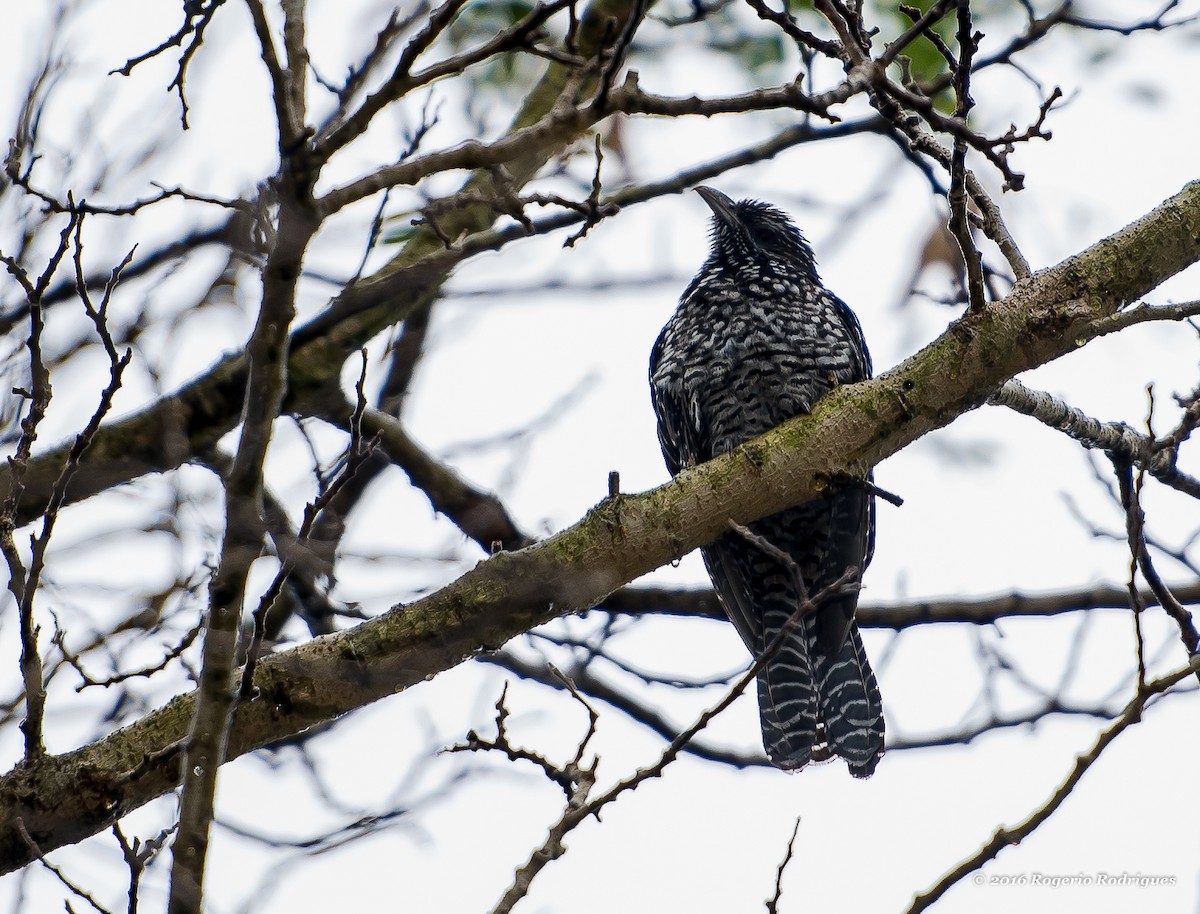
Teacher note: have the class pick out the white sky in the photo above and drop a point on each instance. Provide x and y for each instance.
(984, 512)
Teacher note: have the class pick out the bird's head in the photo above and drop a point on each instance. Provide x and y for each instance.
(753, 233)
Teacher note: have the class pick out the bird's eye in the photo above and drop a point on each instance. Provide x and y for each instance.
(766, 238)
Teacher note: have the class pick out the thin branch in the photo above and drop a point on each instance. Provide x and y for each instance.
(616, 56)
(83, 208)
(1142, 313)
(591, 209)
(584, 678)
(358, 74)
(58, 874)
(173, 653)
(565, 777)
(627, 98)
(137, 855)
(804, 39)
(479, 514)
(631, 99)
(922, 26)
(406, 353)
(21, 583)
(960, 223)
(262, 399)
(1155, 23)
(24, 585)
(403, 81)
(1135, 527)
(172, 250)
(1004, 837)
(197, 16)
(773, 902)
(1116, 438)
(703, 604)
(357, 453)
(281, 79)
(582, 806)
(892, 100)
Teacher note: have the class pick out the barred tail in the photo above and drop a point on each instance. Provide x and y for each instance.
(851, 707)
(787, 695)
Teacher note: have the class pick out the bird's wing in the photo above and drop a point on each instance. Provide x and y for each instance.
(680, 429)
(850, 545)
(861, 355)
(727, 567)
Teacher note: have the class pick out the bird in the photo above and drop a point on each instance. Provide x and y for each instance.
(755, 340)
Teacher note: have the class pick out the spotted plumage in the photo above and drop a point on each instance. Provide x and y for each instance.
(756, 340)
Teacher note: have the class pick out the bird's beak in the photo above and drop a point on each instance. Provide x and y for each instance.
(721, 205)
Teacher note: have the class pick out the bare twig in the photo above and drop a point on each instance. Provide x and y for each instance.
(1142, 313)
(172, 653)
(1116, 438)
(1005, 837)
(403, 80)
(20, 582)
(566, 777)
(586, 680)
(74, 889)
(578, 780)
(24, 584)
(266, 382)
(137, 855)
(960, 224)
(804, 39)
(1155, 23)
(70, 205)
(703, 603)
(773, 902)
(592, 210)
(895, 102)
(477, 513)
(922, 26)
(197, 15)
(357, 453)
(1130, 491)
(627, 98)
